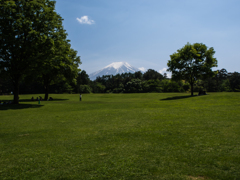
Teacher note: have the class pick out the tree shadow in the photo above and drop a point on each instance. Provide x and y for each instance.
(59, 100)
(29, 100)
(18, 106)
(178, 97)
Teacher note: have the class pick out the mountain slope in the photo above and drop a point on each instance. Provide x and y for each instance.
(113, 69)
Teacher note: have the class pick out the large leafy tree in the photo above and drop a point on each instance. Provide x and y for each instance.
(62, 62)
(26, 34)
(192, 62)
(59, 68)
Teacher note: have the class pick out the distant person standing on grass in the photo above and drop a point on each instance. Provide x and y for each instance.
(80, 97)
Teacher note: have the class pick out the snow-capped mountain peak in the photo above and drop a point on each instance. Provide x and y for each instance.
(113, 69)
(117, 65)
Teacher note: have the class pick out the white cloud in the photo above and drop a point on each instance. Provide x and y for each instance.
(85, 20)
(143, 69)
(162, 71)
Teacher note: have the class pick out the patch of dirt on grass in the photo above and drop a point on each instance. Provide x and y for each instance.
(195, 178)
(23, 135)
(102, 154)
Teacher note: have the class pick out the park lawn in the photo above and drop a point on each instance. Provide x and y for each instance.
(121, 136)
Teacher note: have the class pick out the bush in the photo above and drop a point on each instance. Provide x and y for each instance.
(85, 89)
(118, 90)
(98, 87)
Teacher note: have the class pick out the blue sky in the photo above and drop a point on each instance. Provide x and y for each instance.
(145, 32)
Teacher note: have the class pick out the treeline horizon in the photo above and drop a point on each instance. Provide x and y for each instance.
(138, 82)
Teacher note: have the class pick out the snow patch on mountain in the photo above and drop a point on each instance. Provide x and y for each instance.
(117, 65)
(113, 69)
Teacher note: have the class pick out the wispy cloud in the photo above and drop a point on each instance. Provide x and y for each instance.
(85, 20)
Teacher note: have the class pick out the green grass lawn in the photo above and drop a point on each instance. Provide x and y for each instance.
(121, 136)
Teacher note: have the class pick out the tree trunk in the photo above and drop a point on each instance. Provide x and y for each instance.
(191, 89)
(46, 87)
(16, 91)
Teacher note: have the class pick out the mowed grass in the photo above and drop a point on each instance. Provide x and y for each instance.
(121, 136)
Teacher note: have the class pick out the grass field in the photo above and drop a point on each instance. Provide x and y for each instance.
(121, 136)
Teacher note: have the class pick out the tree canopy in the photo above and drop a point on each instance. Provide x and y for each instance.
(152, 74)
(192, 62)
(32, 38)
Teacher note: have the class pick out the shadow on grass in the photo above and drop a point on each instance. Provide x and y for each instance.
(18, 106)
(29, 100)
(178, 97)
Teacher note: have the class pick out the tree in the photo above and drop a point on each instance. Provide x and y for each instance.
(138, 75)
(192, 62)
(234, 81)
(152, 74)
(83, 78)
(221, 75)
(134, 86)
(154, 85)
(62, 61)
(85, 89)
(216, 83)
(63, 66)
(97, 87)
(25, 30)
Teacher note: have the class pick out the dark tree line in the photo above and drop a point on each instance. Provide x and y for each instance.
(222, 81)
(152, 81)
(138, 82)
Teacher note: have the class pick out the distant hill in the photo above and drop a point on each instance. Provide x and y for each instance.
(113, 69)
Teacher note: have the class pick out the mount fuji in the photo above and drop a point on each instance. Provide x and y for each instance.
(113, 69)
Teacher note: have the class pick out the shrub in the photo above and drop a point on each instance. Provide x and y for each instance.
(85, 89)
